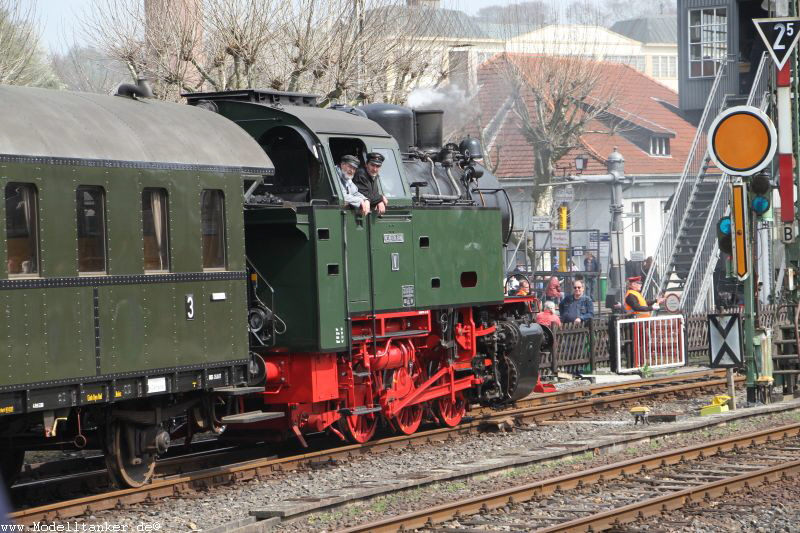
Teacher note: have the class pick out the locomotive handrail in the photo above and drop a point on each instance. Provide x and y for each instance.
(510, 208)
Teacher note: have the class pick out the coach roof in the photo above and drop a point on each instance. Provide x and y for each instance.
(85, 126)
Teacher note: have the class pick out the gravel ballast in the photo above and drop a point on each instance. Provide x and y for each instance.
(222, 505)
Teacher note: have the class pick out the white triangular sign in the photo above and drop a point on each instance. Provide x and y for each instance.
(780, 36)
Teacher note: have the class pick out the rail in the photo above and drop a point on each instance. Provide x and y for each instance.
(654, 496)
(241, 468)
(659, 273)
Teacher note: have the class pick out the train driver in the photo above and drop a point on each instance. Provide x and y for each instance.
(346, 170)
(366, 179)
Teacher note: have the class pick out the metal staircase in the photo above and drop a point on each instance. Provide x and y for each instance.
(687, 252)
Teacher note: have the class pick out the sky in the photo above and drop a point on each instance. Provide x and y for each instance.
(59, 18)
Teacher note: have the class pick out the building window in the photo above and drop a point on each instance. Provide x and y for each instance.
(659, 146)
(91, 213)
(22, 233)
(665, 67)
(637, 229)
(212, 215)
(708, 40)
(155, 230)
(636, 62)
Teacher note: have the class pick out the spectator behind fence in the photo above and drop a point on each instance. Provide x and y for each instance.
(553, 291)
(548, 317)
(591, 267)
(576, 307)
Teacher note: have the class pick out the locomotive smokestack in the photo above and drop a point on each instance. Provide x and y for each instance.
(141, 89)
(429, 126)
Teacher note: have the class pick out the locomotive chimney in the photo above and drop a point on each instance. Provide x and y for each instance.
(429, 128)
(141, 89)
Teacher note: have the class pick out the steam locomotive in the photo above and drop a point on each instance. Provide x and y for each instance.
(174, 269)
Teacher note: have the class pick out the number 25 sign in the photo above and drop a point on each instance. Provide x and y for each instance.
(780, 36)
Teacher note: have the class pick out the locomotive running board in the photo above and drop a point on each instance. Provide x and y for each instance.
(250, 417)
(363, 410)
(237, 391)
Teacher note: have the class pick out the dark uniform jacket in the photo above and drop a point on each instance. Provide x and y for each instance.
(368, 186)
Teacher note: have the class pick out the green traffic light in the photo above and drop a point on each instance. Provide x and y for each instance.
(760, 204)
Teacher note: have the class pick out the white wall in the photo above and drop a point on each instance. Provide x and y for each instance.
(591, 210)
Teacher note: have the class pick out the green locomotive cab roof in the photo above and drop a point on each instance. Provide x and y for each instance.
(304, 142)
(79, 128)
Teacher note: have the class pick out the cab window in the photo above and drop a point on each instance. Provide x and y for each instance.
(391, 181)
(212, 215)
(155, 230)
(22, 233)
(91, 221)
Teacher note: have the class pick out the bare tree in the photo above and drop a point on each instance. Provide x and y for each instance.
(346, 50)
(83, 68)
(555, 100)
(22, 61)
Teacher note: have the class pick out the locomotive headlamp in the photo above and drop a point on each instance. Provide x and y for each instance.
(256, 319)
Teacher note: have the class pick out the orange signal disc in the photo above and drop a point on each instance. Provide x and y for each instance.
(741, 141)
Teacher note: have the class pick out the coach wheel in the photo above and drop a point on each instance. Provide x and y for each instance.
(128, 463)
(449, 412)
(11, 465)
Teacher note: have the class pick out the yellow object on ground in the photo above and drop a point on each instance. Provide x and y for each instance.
(719, 404)
(640, 414)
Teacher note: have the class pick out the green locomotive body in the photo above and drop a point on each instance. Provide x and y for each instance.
(319, 255)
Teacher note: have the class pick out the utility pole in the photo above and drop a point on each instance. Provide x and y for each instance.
(616, 178)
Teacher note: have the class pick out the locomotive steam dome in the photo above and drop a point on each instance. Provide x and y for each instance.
(398, 121)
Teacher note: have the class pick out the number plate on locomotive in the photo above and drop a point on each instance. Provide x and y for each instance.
(408, 295)
(393, 237)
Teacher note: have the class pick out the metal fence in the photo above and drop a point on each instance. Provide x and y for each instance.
(655, 342)
(582, 348)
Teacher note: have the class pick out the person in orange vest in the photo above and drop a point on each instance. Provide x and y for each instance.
(636, 303)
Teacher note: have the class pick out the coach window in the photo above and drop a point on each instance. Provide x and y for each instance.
(91, 203)
(22, 234)
(155, 230)
(212, 214)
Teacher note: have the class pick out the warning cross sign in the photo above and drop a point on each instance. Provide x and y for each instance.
(780, 36)
(725, 340)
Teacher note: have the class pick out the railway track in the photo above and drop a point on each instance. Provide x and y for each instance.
(177, 476)
(623, 492)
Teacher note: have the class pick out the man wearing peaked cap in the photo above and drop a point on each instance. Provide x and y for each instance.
(367, 180)
(346, 170)
(635, 301)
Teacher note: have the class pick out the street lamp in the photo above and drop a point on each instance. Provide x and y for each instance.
(581, 160)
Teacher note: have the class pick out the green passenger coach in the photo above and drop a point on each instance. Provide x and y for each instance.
(123, 256)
